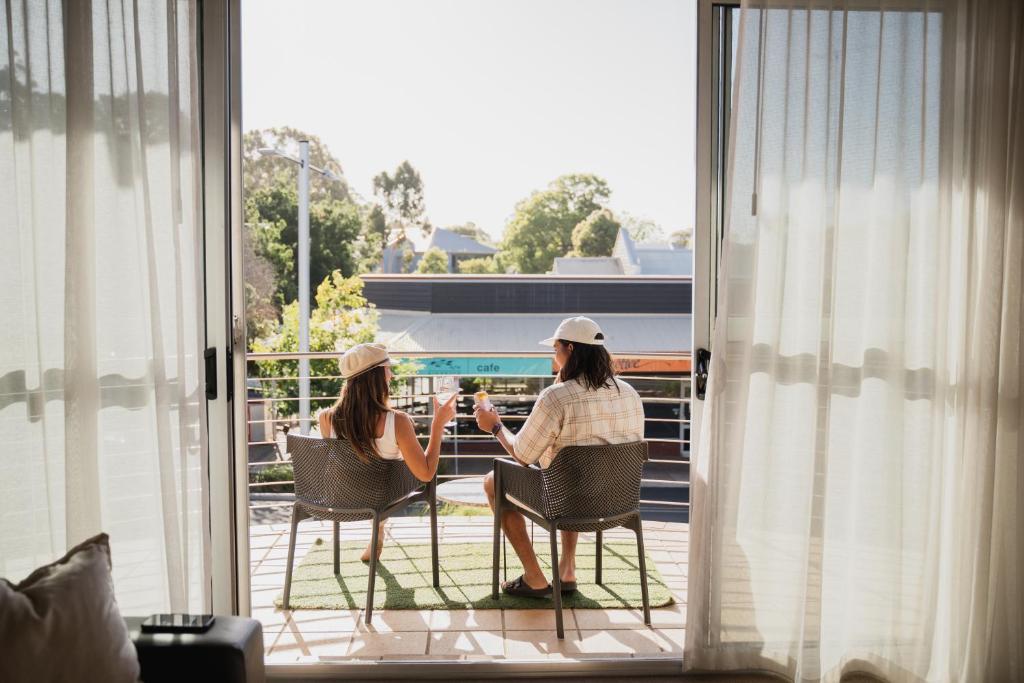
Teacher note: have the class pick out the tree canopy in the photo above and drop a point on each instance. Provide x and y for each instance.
(682, 239)
(472, 231)
(334, 226)
(595, 235)
(261, 172)
(401, 197)
(341, 319)
(262, 305)
(641, 229)
(484, 265)
(541, 228)
(435, 261)
(369, 248)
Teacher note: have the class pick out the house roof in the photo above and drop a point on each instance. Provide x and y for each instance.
(449, 242)
(651, 258)
(517, 332)
(660, 261)
(530, 294)
(587, 265)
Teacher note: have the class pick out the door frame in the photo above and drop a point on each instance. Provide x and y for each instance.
(219, 55)
(713, 113)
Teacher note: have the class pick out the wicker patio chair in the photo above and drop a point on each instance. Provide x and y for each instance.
(333, 484)
(586, 488)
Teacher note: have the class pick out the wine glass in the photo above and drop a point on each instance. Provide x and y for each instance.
(446, 386)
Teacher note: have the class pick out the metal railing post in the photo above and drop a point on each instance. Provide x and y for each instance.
(303, 244)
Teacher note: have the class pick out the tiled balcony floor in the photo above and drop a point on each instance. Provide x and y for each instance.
(518, 635)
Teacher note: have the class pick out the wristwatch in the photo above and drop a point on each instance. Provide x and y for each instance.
(495, 430)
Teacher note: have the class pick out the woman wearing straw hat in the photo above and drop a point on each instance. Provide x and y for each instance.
(362, 416)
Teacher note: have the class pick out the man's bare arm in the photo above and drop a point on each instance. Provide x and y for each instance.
(505, 439)
(487, 420)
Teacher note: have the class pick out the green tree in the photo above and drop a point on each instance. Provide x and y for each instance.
(342, 318)
(261, 305)
(401, 196)
(434, 261)
(641, 229)
(480, 266)
(595, 235)
(261, 172)
(369, 249)
(334, 227)
(271, 224)
(682, 239)
(408, 256)
(542, 226)
(472, 231)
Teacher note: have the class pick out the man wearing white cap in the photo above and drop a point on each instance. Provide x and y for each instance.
(586, 406)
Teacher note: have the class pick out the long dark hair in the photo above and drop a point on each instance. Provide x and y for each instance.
(354, 415)
(589, 364)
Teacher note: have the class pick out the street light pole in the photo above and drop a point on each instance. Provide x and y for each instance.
(304, 285)
(303, 243)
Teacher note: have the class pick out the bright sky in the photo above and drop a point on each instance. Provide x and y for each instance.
(488, 100)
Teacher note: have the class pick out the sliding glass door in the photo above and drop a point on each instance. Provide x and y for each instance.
(717, 35)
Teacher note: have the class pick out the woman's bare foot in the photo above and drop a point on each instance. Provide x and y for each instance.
(380, 546)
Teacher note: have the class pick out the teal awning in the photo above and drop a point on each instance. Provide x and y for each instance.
(483, 366)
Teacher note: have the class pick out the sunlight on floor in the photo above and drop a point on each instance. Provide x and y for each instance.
(521, 635)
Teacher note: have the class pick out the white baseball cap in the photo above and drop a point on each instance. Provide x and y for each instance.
(579, 329)
(362, 357)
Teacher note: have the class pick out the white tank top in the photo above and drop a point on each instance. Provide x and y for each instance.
(387, 444)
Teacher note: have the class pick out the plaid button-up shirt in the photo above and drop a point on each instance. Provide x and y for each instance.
(567, 414)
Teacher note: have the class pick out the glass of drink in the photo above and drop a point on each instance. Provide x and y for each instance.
(445, 387)
(482, 400)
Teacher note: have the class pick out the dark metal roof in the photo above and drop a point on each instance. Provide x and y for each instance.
(522, 332)
(530, 294)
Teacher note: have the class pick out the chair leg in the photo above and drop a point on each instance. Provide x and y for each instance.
(296, 516)
(337, 548)
(375, 534)
(433, 533)
(556, 583)
(600, 552)
(498, 493)
(642, 561)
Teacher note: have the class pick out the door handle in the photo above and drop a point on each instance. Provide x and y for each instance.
(210, 356)
(700, 373)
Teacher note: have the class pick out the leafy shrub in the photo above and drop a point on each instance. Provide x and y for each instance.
(272, 473)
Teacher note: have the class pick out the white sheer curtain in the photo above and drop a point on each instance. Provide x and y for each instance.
(859, 486)
(101, 414)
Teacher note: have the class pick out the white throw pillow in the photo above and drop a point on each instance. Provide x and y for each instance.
(62, 622)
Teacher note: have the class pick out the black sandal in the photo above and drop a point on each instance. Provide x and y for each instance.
(568, 587)
(520, 589)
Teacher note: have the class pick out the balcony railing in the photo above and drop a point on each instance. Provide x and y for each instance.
(273, 410)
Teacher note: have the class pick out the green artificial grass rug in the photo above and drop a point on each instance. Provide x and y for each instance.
(404, 578)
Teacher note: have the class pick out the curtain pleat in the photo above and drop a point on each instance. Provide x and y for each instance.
(101, 408)
(858, 490)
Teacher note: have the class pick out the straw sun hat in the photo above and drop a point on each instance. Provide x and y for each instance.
(362, 357)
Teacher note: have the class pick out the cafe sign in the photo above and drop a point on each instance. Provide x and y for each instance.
(483, 366)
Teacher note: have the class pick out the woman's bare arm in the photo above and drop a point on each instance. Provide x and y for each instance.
(325, 422)
(423, 464)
